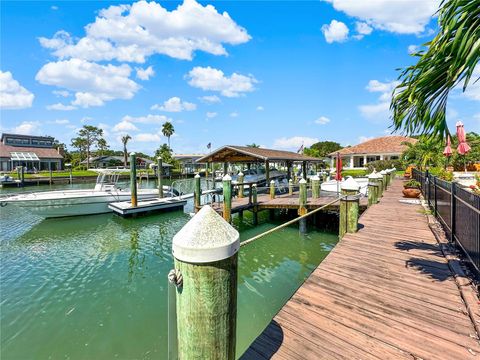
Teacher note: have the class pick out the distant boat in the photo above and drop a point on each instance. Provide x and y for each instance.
(62, 203)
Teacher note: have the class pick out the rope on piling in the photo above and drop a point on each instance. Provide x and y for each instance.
(252, 239)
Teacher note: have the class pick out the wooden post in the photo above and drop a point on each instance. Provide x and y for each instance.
(272, 189)
(197, 193)
(267, 171)
(225, 168)
(349, 208)
(304, 169)
(227, 198)
(384, 176)
(254, 201)
(435, 196)
(241, 178)
(302, 205)
(315, 187)
(290, 187)
(133, 179)
(205, 254)
(372, 189)
(289, 170)
(160, 176)
(71, 174)
(50, 170)
(453, 206)
(22, 175)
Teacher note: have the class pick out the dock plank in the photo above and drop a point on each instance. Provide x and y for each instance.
(385, 292)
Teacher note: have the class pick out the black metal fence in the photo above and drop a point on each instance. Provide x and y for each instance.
(457, 209)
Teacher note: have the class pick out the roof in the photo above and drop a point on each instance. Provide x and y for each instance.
(382, 145)
(188, 156)
(27, 136)
(232, 153)
(120, 159)
(42, 153)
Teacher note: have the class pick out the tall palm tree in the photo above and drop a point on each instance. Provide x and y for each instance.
(125, 153)
(168, 130)
(420, 100)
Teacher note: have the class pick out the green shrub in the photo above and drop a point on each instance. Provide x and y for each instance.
(354, 173)
(413, 184)
(380, 165)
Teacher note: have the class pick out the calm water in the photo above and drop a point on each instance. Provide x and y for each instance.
(95, 287)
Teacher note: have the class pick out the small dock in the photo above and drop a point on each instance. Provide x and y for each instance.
(385, 292)
(125, 208)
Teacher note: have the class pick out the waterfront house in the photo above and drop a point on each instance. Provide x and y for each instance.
(382, 148)
(188, 164)
(108, 161)
(32, 152)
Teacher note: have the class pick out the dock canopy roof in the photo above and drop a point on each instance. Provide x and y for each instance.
(231, 153)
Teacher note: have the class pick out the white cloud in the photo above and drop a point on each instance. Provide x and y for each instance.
(365, 138)
(61, 93)
(12, 94)
(27, 128)
(85, 119)
(260, 108)
(175, 104)
(413, 49)
(336, 31)
(294, 142)
(210, 99)
(473, 89)
(233, 114)
(54, 7)
(322, 120)
(149, 119)
(133, 32)
(145, 74)
(123, 126)
(363, 28)
(146, 137)
(60, 107)
(93, 84)
(211, 115)
(60, 122)
(208, 78)
(398, 16)
(381, 109)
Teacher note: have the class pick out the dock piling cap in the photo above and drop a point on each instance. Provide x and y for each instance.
(272, 182)
(377, 176)
(315, 178)
(383, 172)
(206, 238)
(303, 181)
(227, 178)
(197, 176)
(240, 174)
(350, 184)
(373, 175)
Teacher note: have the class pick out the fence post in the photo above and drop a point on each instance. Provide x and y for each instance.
(254, 200)
(349, 207)
(241, 177)
(272, 189)
(133, 179)
(453, 208)
(290, 187)
(227, 198)
(315, 187)
(160, 176)
(427, 187)
(435, 195)
(302, 202)
(205, 254)
(197, 193)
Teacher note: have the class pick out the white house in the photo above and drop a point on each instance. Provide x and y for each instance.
(382, 148)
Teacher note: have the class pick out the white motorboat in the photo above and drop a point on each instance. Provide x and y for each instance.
(336, 186)
(62, 203)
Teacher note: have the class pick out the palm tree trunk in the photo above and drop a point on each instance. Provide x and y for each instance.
(125, 155)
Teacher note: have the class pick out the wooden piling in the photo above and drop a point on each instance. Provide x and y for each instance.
(304, 169)
(227, 198)
(302, 202)
(267, 171)
(372, 189)
(315, 187)
(272, 189)
(255, 206)
(205, 254)
(160, 176)
(384, 176)
(290, 187)
(241, 187)
(133, 179)
(349, 207)
(197, 193)
(50, 171)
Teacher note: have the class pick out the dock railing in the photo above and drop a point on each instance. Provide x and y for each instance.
(457, 209)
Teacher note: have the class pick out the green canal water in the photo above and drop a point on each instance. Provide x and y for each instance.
(95, 287)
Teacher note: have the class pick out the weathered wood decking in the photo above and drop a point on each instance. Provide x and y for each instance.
(283, 201)
(385, 292)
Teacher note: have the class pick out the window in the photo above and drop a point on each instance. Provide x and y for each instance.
(22, 156)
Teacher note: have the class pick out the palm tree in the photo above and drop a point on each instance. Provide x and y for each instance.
(125, 153)
(253, 145)
(420, 100)
(168, 130)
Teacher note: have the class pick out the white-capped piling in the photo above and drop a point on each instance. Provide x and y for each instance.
(133, 179)
(302, 205)
(241, 187)
(315, 187)
(197, 193)
(290, 187)
(272, 189)
(227, 198)
(160, 176)
(205, 255)
(349, 207)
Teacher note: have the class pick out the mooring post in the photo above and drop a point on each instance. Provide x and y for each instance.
(241, 187)
(197, 193)
(349, 207)
(254, 201)
(302, 205)
(272, 189)
(315, 187)
(389, 176)
(71, 174)
(290, 187)
(160, 176)
(205, 255)
(384, 176)
(379, 178)
(372, 189)
(227, 198)
(133, 179)
(50, 171)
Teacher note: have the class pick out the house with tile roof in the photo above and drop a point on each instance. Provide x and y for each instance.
(382, 148)
(31, 152)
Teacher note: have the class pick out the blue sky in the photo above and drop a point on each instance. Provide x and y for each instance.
(275, 73)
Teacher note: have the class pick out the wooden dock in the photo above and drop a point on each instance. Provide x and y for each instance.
(283, 201)
(125, 208)
(385, 292)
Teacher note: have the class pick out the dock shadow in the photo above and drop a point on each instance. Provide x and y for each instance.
(266, 344)
(432, 249)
